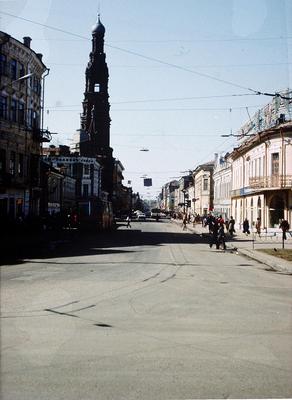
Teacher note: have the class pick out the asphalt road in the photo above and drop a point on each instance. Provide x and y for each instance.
(143, 313)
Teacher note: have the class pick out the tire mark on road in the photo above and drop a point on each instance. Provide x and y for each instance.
(61, 313)
(151, 277)
(168, 278)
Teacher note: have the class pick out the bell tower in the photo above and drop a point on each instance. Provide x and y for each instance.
(95, 119)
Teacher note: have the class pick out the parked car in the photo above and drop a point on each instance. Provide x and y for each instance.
(141, 217)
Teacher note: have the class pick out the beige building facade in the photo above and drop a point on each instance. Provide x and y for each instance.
(262, 178)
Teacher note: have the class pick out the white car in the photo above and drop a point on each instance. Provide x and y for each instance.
(141, 216)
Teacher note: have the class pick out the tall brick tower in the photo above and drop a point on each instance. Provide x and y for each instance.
(95, 120)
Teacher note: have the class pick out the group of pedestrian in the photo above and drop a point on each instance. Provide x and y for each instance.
(217, 231)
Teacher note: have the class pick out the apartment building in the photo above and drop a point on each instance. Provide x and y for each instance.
(262, 177)
(22, 72)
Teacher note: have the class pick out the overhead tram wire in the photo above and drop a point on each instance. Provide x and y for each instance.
(167, 109)
(162, 100)
(148, 58)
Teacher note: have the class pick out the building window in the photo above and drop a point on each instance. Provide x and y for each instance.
(2, 160)
(36, 85)
(29, 117)
(3, 107)
(85, 190)
(86, 169)
(21, 70)
(21, 113)
(260, 167)
(20, 165)
(13, 110)
(275, 163)
(12, 163)
(3, 65)
(35, 120)
(205, 183)
(13, 69)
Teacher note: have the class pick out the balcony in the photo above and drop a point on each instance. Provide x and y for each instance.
(274, 181)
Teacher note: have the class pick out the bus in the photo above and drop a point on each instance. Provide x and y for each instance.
(95, 214)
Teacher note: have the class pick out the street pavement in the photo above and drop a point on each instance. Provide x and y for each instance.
(250, 245)
(148, 312)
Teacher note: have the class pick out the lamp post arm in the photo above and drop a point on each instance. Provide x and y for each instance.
(43, 96)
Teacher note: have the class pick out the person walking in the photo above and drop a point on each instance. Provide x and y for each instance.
(221, 237)
(258, 227)
(184, 223)
(245, 227)
(231, 224)
(285, 228)
(214, 234)
(128, 219)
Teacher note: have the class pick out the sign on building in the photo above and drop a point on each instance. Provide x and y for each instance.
(147, 181)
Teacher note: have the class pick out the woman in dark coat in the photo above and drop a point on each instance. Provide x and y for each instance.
(245, 226)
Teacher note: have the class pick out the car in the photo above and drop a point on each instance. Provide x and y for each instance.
(141, 217)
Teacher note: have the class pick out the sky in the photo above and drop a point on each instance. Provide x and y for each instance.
(181, 73)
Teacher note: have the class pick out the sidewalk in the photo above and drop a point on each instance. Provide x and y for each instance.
(245, 245)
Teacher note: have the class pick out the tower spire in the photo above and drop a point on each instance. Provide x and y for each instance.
(96, 118)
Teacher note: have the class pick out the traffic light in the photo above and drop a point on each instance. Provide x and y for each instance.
(188, 203)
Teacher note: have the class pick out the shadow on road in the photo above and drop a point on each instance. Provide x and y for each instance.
(18, 247)
(45, 245)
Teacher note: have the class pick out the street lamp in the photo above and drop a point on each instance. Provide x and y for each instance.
(43, 99)
(23, 77)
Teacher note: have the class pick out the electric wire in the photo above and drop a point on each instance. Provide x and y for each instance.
(179, 67)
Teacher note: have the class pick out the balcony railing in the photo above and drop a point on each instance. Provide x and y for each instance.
(274, 181)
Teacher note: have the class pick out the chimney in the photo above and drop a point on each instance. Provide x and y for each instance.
(26, 41)
(40, 56)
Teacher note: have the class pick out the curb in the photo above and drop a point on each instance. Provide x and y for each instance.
(274, 263)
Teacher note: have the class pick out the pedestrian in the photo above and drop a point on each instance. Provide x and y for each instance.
(231, 224)
(220, 220)
(245, 227)
(210, 222)
(221, 237)
(184, 222)
(285, 228)
(128, 219)
(258, 226)
(214, 233)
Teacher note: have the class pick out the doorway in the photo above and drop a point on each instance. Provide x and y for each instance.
(277, 206)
